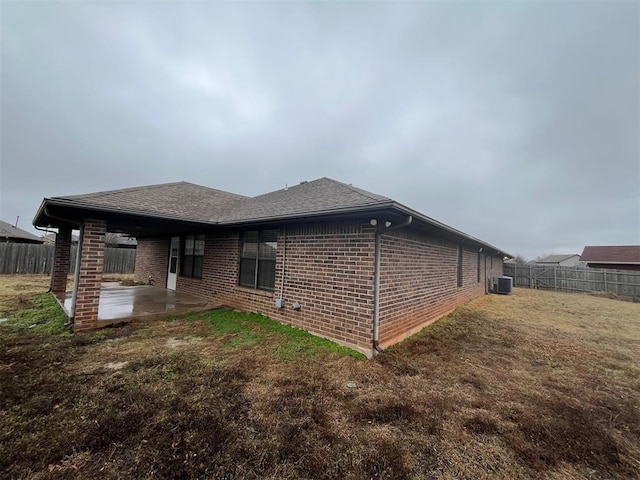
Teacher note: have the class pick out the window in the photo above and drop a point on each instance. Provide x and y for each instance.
(459, 265)
(258, 259)
(479, 258)
(192, 256)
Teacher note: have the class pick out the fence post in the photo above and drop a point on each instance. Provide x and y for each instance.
(530, 281)
(555, 277)
(604, 272)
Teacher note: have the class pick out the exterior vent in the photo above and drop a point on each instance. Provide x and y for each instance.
(504, 285)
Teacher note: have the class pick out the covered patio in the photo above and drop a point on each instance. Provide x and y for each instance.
(141, 212)
(119, 303)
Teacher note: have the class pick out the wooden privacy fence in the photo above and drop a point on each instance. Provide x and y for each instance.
(575, 279)
(35, 258)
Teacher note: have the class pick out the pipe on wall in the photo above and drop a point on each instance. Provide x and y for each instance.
(76, 273)
(376, 276)
(284, 260)
(76, 278)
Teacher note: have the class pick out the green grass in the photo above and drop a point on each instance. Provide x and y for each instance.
(246, 329)
(240, 329)
(43, 308)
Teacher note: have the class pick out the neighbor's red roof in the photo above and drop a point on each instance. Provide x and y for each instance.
(611, 254)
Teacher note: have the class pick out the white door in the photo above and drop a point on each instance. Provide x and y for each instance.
(172, 274)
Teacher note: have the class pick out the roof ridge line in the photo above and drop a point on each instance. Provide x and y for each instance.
(359, 191)
(126, 189)
(146, 187)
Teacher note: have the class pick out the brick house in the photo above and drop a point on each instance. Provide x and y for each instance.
(335, 260)
(12, 234)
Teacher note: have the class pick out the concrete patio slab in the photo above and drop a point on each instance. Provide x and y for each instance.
(122, 304)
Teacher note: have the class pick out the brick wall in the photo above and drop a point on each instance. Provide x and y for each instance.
(219, 268)
(152, 259)
(90, 275)
(61, 261)
(329, 271)
(419, 281)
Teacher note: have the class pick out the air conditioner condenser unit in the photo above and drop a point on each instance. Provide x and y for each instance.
(504, 285)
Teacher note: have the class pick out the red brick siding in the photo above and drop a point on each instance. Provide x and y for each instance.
(419, 281)
(90, 275)
(219, 267)
(329, 271)
(61, 262)
(152, 259)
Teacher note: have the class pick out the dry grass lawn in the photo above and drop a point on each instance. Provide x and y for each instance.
(532, 385)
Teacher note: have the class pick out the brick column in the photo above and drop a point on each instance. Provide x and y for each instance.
(90, 275)
(60, 268)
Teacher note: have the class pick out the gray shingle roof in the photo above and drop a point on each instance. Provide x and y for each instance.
(319, 196)
(195, 202)
(9, 231)
(557, 258)
(180, 199)
(184, 201)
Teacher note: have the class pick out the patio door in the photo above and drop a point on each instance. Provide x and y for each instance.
(172, 274)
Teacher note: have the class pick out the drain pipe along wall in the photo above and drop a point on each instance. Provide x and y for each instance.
(76, 277)
(76, 273)
(386, 227)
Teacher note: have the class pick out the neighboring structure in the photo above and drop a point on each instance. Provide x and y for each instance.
(113, 240)
(50, 239)
(119, 240)
(11, 234)
(567, 260)
(324, 256)
(620, 257)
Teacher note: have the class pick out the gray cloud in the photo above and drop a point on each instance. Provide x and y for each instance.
(517, 123)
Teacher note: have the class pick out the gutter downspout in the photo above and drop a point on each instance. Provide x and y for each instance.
(76, 273)
(486, 286)
(376, 281)
(46, 231)
(76, 278)
(498, 255)
(284, 260)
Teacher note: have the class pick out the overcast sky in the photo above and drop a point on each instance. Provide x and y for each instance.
(516, 122)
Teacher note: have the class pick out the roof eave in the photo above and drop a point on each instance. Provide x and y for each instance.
(41, 214)
(318, 214)
(375, 207)
(450, 230)
(39, 219)
(611, 262)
